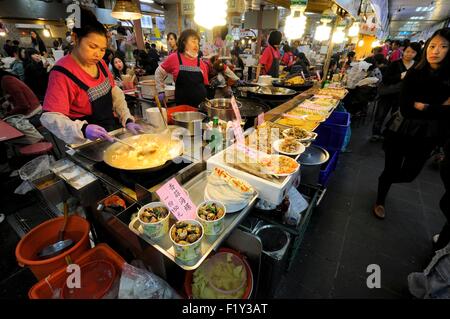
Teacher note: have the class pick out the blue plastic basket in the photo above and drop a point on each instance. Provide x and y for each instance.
(328, 168)
(332, 132)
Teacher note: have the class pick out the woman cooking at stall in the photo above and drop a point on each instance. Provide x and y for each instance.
(269, 63)
(188, 70)
(82, 98)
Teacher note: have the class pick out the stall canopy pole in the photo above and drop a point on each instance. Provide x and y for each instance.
(258, 43)
(326, 65)
(139, 34)
(179, 18)
(260, 26)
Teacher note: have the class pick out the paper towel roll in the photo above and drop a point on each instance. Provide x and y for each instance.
(153, 117)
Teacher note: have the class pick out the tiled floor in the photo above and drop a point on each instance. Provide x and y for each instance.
(343, 237)
(342, 240)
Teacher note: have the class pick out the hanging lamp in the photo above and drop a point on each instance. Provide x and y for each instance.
(210, 13)
(296, 21)
(126, 10)
(323, 31)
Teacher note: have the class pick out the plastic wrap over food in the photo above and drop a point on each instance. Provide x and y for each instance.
(137, 283)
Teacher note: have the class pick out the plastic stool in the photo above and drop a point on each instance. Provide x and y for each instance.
(36, 149)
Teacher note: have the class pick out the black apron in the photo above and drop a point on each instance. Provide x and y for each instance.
(100, 97)
(275, 67)
(189, 87)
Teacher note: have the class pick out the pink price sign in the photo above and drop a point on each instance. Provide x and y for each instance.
(297, 117)
(238, 133)
(261, 118)
(177, 200)
(236, 109)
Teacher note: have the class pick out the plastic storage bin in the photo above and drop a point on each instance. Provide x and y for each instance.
(328, 168)
(44, 289)
(332, 132)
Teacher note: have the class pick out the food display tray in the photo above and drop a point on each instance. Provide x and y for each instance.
(196, 189)
(269, 190)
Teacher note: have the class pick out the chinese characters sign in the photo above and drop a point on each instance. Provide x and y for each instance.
(177, 200)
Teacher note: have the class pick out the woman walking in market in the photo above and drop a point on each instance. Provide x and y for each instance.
(423, 121)
(389, 90)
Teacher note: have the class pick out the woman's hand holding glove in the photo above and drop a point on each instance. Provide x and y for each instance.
(94, 132)
(134, 128)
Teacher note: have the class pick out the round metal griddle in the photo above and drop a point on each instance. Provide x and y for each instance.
(297, 87)
(267, 92)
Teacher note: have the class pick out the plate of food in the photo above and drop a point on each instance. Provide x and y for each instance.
(233, 192)
(300, 134)
(289, 146)
(279, 165)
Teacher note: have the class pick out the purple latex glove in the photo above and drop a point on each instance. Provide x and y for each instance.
(162, 98)
(94, 132)
(134, 128)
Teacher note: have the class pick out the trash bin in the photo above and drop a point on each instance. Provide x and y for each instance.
(275, 242)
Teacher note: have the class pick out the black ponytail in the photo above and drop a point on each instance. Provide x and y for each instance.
(89, 24)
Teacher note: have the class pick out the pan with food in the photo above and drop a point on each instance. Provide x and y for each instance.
(148, 152)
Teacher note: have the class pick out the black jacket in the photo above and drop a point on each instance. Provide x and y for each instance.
(429, 87)
(36, 77)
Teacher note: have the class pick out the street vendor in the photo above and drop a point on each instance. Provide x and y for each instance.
(270, 59)
(82, 99)
(189, 72)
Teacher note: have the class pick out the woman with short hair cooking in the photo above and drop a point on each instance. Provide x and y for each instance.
(82, 97)
(189, 72)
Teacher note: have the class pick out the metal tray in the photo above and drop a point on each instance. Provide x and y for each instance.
(196, 188)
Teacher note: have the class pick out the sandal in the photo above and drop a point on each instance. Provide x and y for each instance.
(379, 211)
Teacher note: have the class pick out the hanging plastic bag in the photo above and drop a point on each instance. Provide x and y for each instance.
(34, 169)
(32, 135)
(136, 283)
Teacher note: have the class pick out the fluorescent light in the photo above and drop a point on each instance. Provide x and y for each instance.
(419, 9)
(147, 1)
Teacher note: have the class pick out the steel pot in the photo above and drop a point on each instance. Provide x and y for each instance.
(192, 121)
(220, 108)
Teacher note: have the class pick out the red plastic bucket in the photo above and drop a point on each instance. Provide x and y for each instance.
(46, 234)
(179, 108)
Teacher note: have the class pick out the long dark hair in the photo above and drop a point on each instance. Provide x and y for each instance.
(89, 24)
(416, 47)
(184, 36)
(445, 65)
(116, 72)
(36, 40)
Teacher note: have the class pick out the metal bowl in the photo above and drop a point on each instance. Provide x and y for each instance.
(220, 108)
(191, 121)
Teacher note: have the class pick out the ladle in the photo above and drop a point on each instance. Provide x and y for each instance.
(61, 245)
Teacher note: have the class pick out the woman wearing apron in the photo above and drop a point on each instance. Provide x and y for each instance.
(189, 72)
(270, 59)
(82, 98)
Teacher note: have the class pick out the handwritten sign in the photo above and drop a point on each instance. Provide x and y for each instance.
(238, 133)
(177, 200)
(261, 118)
(236, 109)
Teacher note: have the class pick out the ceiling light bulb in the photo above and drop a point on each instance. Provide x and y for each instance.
(46, 33)
(360, 43)
(354, 30)
(338, 35)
